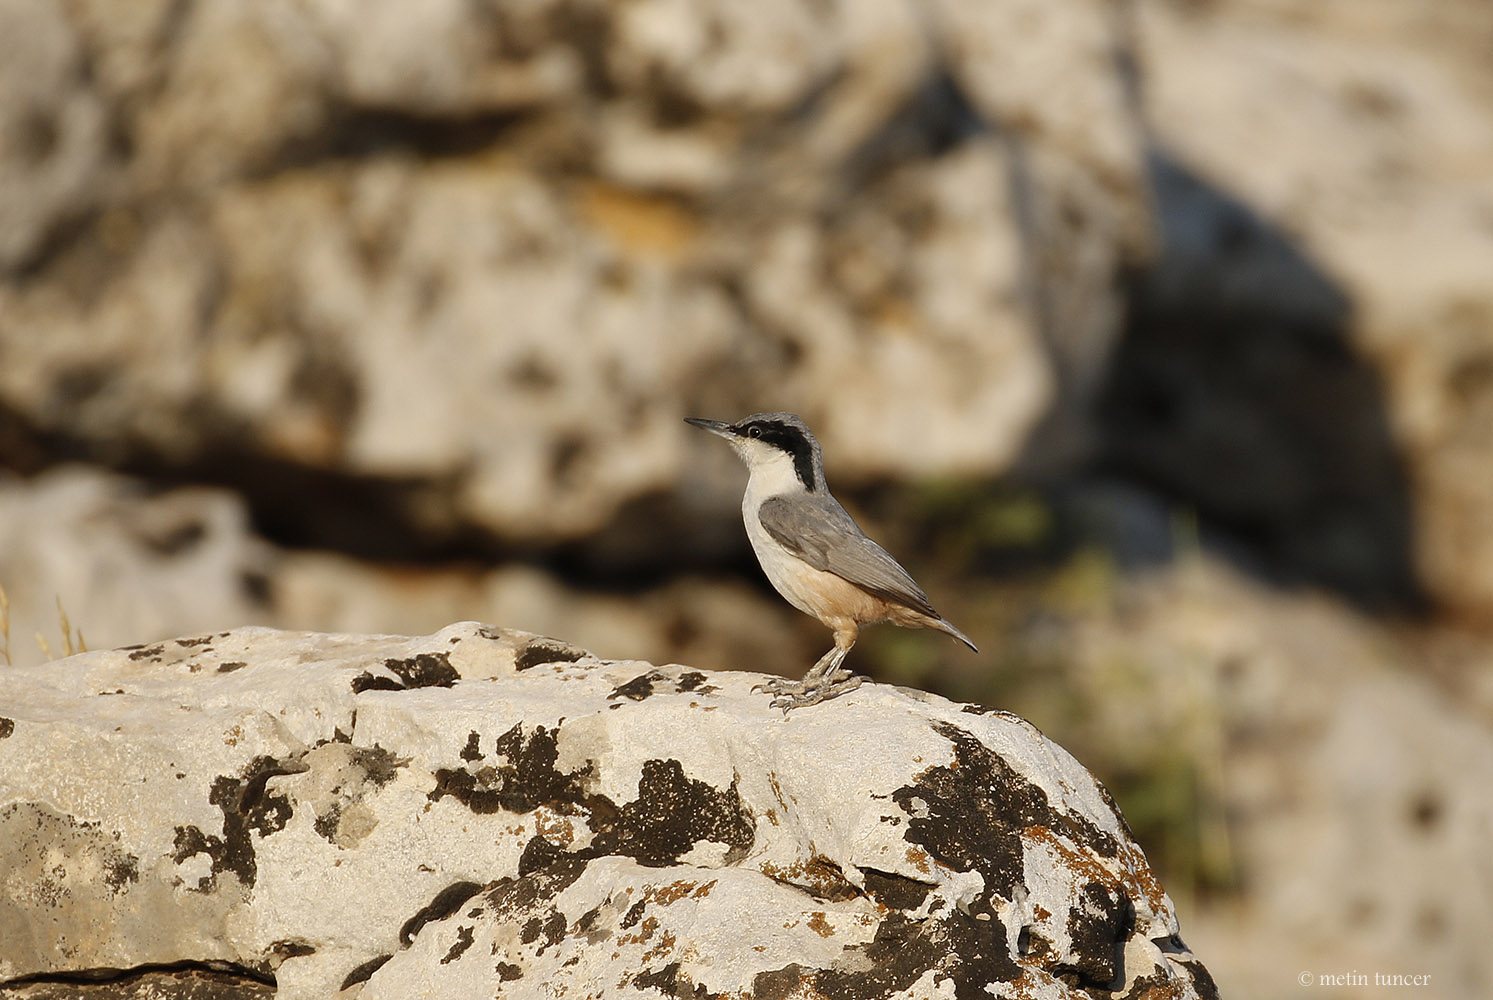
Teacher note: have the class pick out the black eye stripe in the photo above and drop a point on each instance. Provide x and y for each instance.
(791, 440)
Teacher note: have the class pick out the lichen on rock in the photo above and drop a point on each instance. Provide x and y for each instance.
(502, 817)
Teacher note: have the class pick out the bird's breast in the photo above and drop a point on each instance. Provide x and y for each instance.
(830, 598)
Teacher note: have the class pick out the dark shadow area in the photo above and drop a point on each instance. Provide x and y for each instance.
(1236, 392)
(174, 981)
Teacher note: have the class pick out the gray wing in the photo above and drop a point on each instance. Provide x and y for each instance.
(819, 531)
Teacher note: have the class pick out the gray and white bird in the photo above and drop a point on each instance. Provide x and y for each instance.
(814, 553)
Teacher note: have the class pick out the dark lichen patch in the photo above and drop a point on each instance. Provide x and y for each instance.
(444, 903)
(553, 930)
(425, 670)
(672, 813)
(538, 854)
(896, 892)
(247, 808)
(201, 640)
(478, 790)
(153, 653)
(671, 982)
(979, 953)
(523, 901)
(1202, 979)
(693, 680)
(230, 666)
(1158, 984)
(971, 816)
(1099, 923)
(637, 689)
(459, 946)
(471, 752)
(897, 957)
(7, 727)
(779, 984)
(368, 682)
(325, 824)
(378, 765)
(289, 948)
(119, 869)
(634, 914)
(364, 972)
(61, 860)
(525, 780)
(507, 972)
(189, 841)
(546, 651)
(972, 812)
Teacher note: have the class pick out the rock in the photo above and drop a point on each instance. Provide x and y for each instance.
(1319, 818)
(123, 561)
(129, 563)
(490, 257)
(483, 810)
(55, 160)
(1378, 176)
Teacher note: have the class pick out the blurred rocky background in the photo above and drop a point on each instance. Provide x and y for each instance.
(1155, 336)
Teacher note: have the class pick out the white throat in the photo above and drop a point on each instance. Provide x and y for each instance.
(771, 474)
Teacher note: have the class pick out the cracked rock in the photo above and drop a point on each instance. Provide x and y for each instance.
(512, 821)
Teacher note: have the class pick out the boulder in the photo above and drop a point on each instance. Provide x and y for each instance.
(489, 812)
(491, 256)
(1348, 385)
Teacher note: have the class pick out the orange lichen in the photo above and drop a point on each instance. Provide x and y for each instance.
(664, 895)
(638, 221)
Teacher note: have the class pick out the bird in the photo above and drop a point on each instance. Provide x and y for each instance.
(814, 553)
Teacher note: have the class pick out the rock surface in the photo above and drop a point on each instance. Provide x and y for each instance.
(480, 811)
(1376, 117)
(493, 254)
(1328, 781)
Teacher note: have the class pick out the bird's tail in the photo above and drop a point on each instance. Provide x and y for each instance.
(944, 626)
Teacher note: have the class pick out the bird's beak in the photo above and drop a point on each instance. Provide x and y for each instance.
(713, 426)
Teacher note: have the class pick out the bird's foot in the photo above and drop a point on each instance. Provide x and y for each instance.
(811, 690)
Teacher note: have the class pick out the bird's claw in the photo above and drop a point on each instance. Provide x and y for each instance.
(801, 694)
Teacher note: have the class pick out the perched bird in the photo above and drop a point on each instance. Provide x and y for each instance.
(814, 553)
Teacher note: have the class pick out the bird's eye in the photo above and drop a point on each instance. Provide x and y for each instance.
(754, 431)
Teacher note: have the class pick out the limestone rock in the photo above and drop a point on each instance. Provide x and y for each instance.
(492, 254)
(482, 811)
(54, 145)
(124, 561)
(129, 563)
(1376, 119)
(1319, 743)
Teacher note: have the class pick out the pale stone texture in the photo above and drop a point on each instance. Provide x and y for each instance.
(1342, 781)
(1361, 129)
(127, 563)
(482, 810)
(124, 562)
(495, 252)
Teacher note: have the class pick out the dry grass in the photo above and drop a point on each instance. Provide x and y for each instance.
(72, 639)
(72, 642)
(4, 627)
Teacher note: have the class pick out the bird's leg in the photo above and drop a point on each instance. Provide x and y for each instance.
(825, 679)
